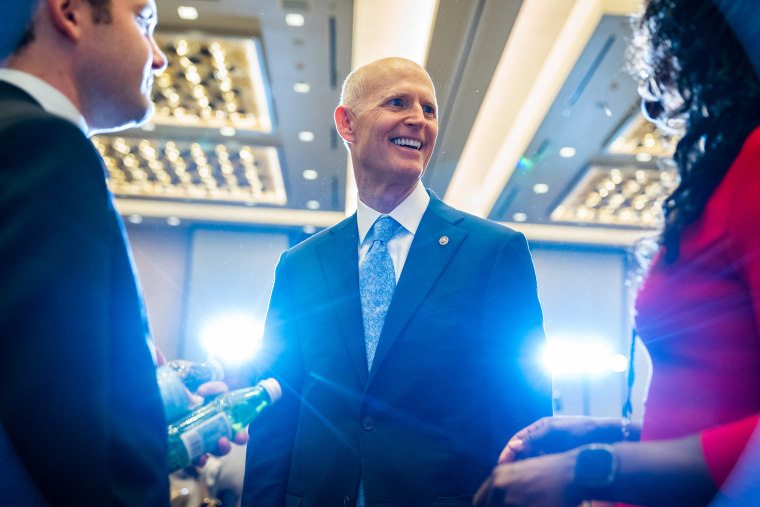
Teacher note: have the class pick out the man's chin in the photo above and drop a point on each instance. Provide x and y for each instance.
(128, 121)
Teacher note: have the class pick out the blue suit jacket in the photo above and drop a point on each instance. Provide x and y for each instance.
(80, 405)
(455, 374)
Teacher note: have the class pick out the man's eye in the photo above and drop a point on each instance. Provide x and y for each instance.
(396, 102)
(429, 110)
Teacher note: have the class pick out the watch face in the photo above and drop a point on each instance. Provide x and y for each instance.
(595, 466)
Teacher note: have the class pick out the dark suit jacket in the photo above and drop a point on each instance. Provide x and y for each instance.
(456, 371)
(80, 403)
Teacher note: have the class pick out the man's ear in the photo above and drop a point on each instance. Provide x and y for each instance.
(344, 122)
(67, 16)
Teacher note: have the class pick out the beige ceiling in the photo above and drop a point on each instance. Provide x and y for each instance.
(496, 101)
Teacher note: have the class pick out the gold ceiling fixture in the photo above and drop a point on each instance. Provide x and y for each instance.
(214, 82)
(210, 83)
(231, 171)
(641, 137)
(629, 197)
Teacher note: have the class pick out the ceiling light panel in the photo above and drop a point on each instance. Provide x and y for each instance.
(232, 172)
(211, 82)
(628, 197)
(642, 137)
(295, 19)
(187, 12)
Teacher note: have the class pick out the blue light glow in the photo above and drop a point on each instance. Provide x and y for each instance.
(232, 338)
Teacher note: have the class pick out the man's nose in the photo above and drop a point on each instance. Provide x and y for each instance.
(159, 58)
(416, 115)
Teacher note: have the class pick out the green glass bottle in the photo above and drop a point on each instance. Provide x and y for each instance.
(200, 431)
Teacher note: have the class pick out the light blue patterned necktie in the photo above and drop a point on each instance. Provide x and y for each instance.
(377, 281)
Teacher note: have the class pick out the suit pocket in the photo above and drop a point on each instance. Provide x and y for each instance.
(453, 501)
(292, 500)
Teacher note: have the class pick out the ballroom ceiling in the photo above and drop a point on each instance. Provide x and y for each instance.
(539, 120)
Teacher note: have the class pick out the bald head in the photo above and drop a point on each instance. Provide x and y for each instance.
(363, 81)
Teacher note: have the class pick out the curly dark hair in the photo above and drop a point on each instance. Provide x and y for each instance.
(686, 47)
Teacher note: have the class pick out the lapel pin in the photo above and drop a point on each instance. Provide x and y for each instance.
(444, 240)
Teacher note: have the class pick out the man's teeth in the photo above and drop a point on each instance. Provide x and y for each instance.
(412, 143)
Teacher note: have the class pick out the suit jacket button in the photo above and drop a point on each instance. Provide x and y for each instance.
(368, 423)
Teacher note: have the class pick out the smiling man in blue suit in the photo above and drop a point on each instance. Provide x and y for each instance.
(407, 347)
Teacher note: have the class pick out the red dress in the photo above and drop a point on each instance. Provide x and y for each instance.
(700, 316)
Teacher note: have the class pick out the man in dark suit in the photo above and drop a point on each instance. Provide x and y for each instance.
(417, 416)
(80, 405)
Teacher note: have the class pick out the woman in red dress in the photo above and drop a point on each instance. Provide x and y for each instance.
(698, 310)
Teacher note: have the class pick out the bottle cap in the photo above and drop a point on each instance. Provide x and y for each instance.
(272, 387)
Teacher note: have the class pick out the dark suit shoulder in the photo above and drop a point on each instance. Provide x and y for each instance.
(50, 157)
(469, 221)
(24, 117)
(325, 235)
(16, 105)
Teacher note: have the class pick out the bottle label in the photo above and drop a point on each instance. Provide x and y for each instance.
(205, 437)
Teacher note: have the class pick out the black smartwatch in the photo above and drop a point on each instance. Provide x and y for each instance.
(595, 470)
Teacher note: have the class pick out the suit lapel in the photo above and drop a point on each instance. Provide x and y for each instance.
(339, 258)
(428, 256)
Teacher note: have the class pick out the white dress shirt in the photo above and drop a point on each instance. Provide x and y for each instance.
(51, 100)
(408, 213)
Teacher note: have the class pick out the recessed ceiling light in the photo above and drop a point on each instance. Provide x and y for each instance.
(187, 12)
(135, 219)
(227, 131)
(540, 188)
(306, 136)
(310, 174)
(173, 221)
(567, 152)
(312, 204)
(294, 19)
(301, 87)
(643, 157)
(149, 127)
(309, 229)
(519, 217)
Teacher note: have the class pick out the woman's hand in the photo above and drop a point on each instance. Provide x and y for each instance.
(558, 434)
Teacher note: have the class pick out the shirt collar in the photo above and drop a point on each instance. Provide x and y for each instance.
(50, 98)
(408, 213)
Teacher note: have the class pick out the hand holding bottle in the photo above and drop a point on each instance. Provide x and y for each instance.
(224, 446)
(185, 386)
(200, 431)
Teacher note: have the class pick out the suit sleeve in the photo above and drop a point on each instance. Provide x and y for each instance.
(273, 433)
(55, 239)
(514, 322)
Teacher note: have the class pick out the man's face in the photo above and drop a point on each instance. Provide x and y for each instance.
(395, 127)
(118, 75)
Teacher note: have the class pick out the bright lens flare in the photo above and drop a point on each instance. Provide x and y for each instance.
(234, 339)
(568, 358)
